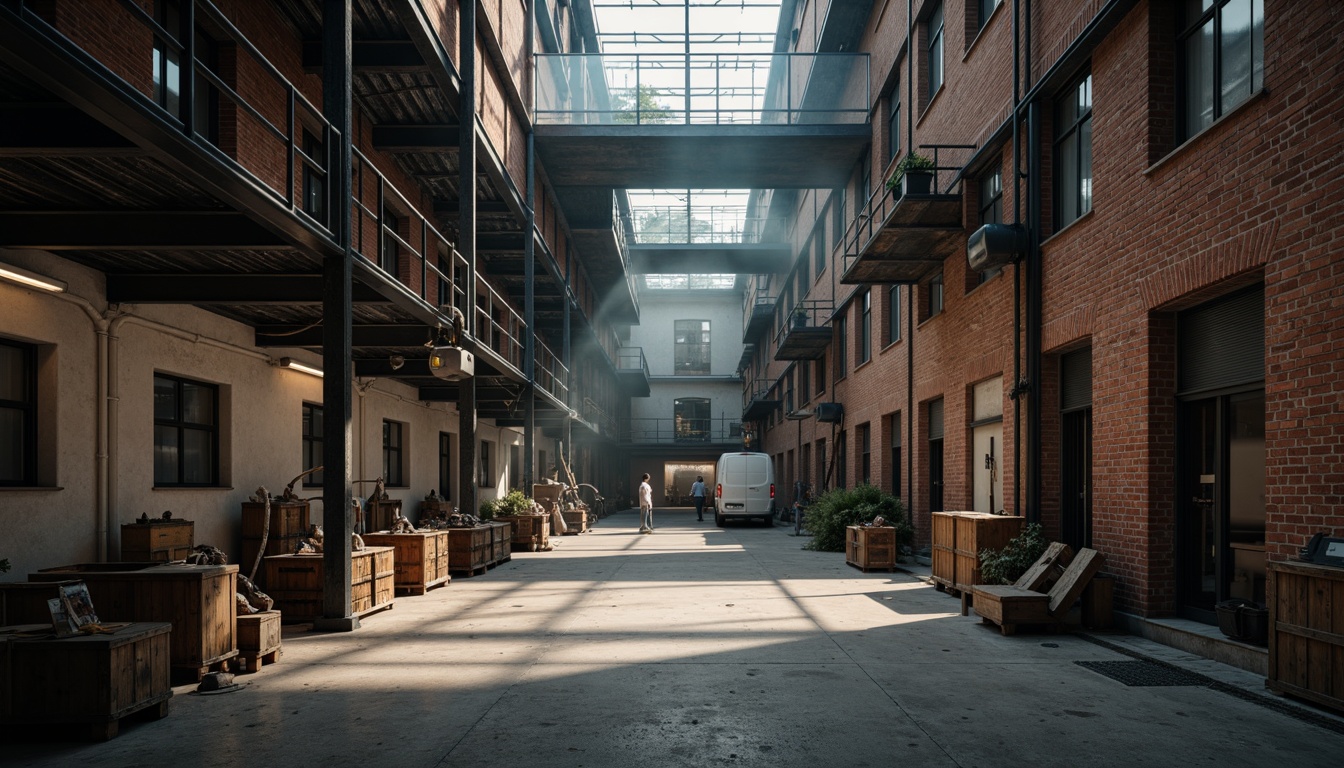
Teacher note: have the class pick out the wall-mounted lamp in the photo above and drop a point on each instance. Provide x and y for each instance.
(31, 279)
(291, 363)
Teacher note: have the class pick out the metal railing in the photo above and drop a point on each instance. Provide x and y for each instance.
(760, 389)
(695, 224)
(632, 359)
(701, 89)
(871, 217)
(808, 313)
(721, 429)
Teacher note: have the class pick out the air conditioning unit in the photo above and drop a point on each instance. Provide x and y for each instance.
(995, 245)
(830, 413)
(452, 363)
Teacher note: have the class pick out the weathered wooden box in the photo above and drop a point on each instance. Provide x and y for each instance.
(470, 550)
(289, 524)
(88, 680)
(501, 542)
(25, 602)
(421, 558)
(379, 515)
(158, 541)
(958, 538)
(434, 510)
(1306, 631)
(295, 582)
(868, 548)
(530, 532)
(576, 520)
(258, 639)
(1011, 606)
(198, 600)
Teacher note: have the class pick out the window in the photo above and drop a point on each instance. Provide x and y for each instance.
(839, 203)
(893, 314)
(865, 182)
(841, 344)
(821, 373)
(167, 72)
(821, 465)
(515, 467)
(991, 210)
(692, 347)
(866, 327)
(986, 8)
(445, 465)
(895, 454)
(935, 294)
(486, 479)
(186, 435)
(312, 443)
(18, 414)
(390, 255)
(394, 457)
(804, 384)
(935, 51)
(865, 454)
(1222, 59)
(314, 177)
(894, 122)
(841, 459)
(690, 419)
(819, 253)
(1073, 152)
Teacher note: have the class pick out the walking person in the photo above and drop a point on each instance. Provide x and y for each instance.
(645, 505)
(698, 495)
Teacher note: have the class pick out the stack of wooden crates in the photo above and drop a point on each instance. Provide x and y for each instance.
(958, 538)
(289, 525)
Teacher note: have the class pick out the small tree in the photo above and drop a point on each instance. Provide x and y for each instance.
(1005, 566)
(514, 503)
(833, 511)
(639, 106)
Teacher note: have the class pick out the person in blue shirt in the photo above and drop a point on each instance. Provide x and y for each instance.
(698, 494)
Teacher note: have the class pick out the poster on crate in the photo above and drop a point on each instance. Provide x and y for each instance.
(60, 620)
(78, 605)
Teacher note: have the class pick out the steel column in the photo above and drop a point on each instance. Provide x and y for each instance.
(466, 245)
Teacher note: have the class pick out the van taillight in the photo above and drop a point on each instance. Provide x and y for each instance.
(772, 490)
(718, 491)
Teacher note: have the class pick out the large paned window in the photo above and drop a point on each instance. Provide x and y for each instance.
(986, 9)
(819, 252)
(18, 414)
(821, 373)
(486, 470)
(312, 443)
(167, 71)
(804, 384)
(865, 445)
(391, 250)
(445, 465)
(1222, 58)
(186, 432)
(893, 314)
(894, 122)
(866, 327)
(314, 177)
(516, 466)
(935, 295)
(895, 454)
(935, 50)
(692, 347)
(1073, 152)
(394, 454)
(841, 460)
(690, 419)
(991, 210)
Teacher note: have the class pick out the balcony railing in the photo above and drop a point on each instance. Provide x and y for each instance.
(700, 224)
(759, 398)
(680, 430)
(702, 89)
(632, 359)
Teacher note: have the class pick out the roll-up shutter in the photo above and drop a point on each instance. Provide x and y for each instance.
(936, 419)
(1075, 380)
(1222, 343)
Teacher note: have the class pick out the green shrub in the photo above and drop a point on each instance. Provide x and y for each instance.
(514, 503)
(829, 514)
(1005, 566)
(488, 509)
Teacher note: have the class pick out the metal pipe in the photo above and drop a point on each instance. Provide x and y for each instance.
(466, 245)
(529, 271)
(1015, 392)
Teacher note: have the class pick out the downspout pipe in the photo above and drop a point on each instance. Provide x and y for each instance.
(102, 522)
(1035, 289)
(1015, 394)
(530, 272)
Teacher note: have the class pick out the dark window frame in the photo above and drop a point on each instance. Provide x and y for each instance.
(864, 437)
(865, 328)
(1073, 136)
(681, 349)
(486, 466)
(935, 296)
(313, 439)
(935, 51)
(821, 374)
(893, 314)
(394, 454)
(1186, 30)
(181, 427)
(26, 405)
(842, 344)
(894, 121)
(445, 465)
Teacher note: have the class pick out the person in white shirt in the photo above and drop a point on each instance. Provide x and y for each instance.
(645, 505)
(698, 495)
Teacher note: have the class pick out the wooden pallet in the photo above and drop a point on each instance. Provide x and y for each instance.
(1013, 607)
(252, 661)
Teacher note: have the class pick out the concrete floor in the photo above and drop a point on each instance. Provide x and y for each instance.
(697, 646)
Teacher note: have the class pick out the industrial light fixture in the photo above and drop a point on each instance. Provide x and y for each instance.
(291, 363)
(396, 361)
(451, 363)
(31, 279)
(798, 415)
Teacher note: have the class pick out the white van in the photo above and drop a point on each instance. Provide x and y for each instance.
(744, 487)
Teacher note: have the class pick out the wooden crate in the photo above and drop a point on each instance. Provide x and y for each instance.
(296, 583)
(289, 524)
(258, 640)
(470, 549)
(25, 602)
(869, 548)
(379, 516)
(501, 542)
(958, 538)
(157, 541)
(421, 558)
(576, 521)
(89, 680)
(530, 532)
(198, 600)
(1306, 632)
(434, 510)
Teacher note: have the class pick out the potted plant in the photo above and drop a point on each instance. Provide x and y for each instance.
(916, 171)
(799, 317)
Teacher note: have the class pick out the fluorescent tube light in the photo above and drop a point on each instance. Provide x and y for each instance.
(31, 279)
(287, 362)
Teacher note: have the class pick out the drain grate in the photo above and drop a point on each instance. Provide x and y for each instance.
(1143, 673)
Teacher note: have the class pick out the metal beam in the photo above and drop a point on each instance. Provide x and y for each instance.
(448, 393)
(134, 231)
(416, 138)
(383, 335)
(483, 207)
(500, 242)
(369, 56)
(197, 288)
(382, 368)
(57, 130)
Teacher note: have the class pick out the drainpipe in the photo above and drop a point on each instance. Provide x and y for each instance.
(910, 407)
(1015, 394)
(100, 403)
(1035, 293)
(529, 271)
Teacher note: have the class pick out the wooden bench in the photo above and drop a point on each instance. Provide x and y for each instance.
(1013, 606)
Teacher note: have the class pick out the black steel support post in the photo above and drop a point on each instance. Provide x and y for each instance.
(1034, 313)
(566, 354)
(530, 317)
(466, 245)
(337, 318)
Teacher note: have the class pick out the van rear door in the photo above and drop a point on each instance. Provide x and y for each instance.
(756, 479)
